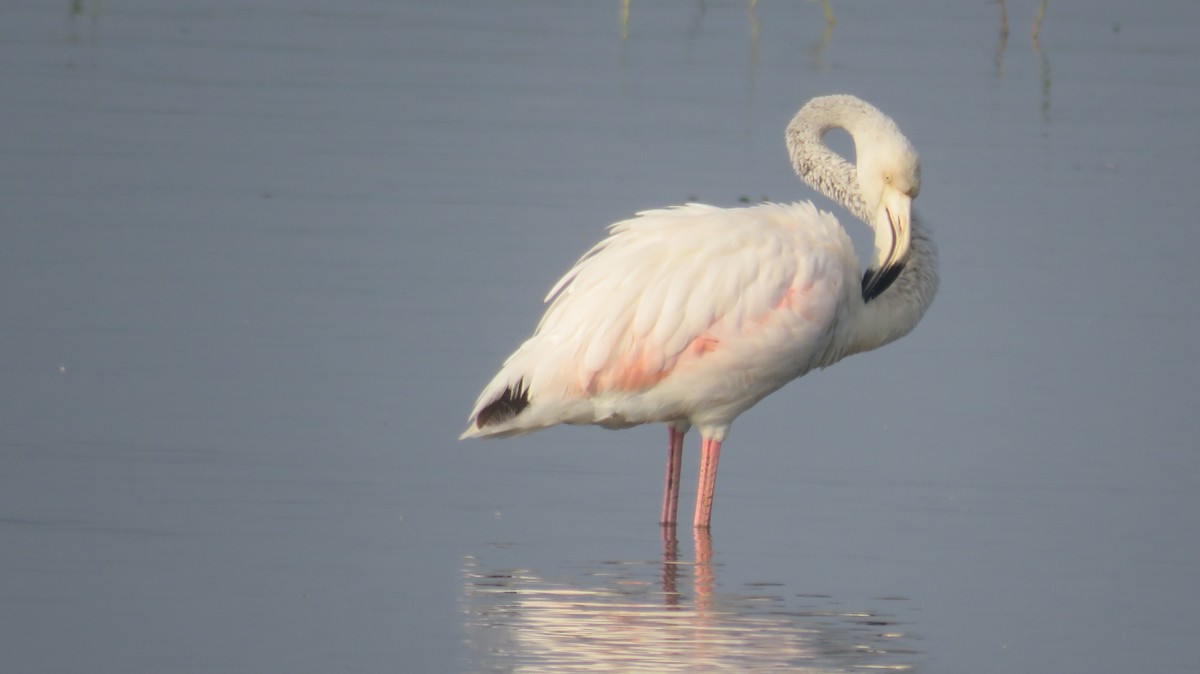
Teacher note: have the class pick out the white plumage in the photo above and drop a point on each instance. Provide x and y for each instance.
(690, 315)
(696, 292)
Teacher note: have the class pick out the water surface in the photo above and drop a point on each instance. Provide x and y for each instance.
(258, 259)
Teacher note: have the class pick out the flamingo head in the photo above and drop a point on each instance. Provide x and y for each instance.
(889, 176)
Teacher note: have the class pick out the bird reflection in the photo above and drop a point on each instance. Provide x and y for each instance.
(665, 616)
(816, 51)
(1035, 43)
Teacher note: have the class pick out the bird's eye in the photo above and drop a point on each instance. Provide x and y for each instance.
(887, 177)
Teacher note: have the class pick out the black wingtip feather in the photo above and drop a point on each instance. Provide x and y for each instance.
(510, 403)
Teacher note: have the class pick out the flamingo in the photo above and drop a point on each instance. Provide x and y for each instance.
(690, 315)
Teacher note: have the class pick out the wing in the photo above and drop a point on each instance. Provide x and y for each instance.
(682, 281)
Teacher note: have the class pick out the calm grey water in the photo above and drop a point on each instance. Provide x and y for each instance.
(258, 258)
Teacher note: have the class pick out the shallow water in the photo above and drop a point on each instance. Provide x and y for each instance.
(669, 615)
(258, 260)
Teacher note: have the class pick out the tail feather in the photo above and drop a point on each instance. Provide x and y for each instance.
(497, 409)
(509, 404)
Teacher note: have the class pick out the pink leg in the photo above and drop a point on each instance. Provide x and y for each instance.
(710, 452)
(671, 486)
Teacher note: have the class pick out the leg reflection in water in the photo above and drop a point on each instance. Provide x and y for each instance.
(666, 615)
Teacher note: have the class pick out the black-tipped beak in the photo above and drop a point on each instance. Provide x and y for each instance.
(891, 245)
(876, 281)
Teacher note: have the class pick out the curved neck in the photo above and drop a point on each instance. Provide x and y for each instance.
(823, 169)
(896, 311)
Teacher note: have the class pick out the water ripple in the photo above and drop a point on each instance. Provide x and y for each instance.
(666, 616)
